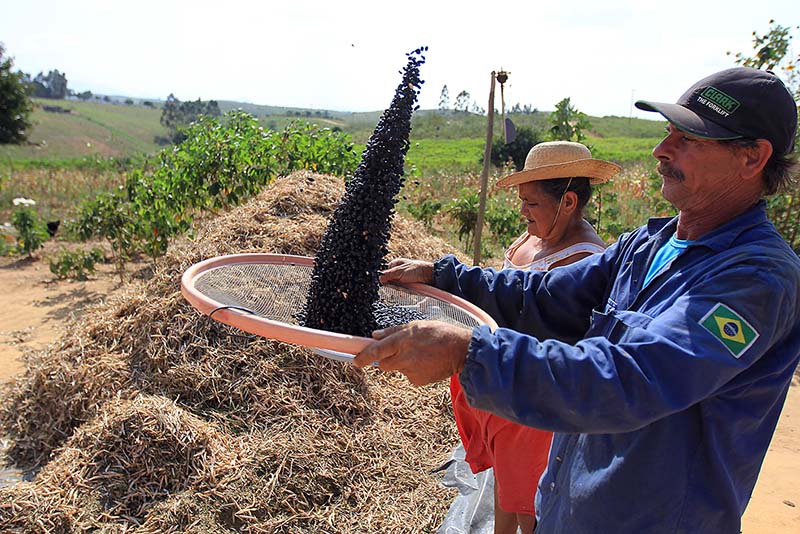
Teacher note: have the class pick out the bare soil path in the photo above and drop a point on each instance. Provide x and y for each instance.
(34, 308)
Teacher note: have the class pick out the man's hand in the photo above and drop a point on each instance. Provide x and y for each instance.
(424, 351)
(406, 271)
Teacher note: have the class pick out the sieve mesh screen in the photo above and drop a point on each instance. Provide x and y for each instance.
(278, 292)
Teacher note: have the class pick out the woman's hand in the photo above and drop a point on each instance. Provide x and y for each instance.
(407, 271)
(424, 351)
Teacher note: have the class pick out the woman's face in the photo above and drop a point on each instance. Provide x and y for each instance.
(538, 208)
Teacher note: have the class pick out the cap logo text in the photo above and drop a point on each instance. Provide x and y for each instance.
(718, 101)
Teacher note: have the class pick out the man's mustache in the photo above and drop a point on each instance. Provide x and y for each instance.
(670, 171)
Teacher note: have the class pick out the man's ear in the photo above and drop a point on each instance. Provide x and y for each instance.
(755, 159)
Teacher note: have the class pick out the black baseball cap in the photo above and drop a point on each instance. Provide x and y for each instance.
(733, 104)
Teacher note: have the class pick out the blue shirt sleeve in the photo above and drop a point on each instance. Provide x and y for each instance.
(540, 303)
(632, 368)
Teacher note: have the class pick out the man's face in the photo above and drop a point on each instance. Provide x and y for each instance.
(698, 173)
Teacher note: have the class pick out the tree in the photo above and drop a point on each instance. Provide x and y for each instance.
(15, 102)
(177, 115)
(517, 150)
(462, 101)
(52, 85)
(567, 123)
(170, 113)
(444, 99)
(772, 52)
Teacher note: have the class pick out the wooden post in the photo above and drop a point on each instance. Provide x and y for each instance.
(487, 156)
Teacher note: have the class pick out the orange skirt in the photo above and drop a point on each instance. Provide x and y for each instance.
(517, 453)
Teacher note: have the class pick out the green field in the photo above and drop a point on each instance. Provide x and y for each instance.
(79, 149)
(463, 156)
(91, 147)
(88, 129)
(440, 141)
(623, 150)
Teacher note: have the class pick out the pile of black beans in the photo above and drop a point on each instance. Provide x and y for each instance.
(387, 315)
(344, 285)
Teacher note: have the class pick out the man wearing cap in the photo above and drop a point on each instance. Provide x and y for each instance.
(661, 364)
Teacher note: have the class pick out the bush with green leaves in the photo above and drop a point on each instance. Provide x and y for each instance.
(463, 210)
(306, 146)
(773, 51)
(504, 219)
(517, 150)
(31, 230)
(627, 201)
(425, 210)
(108, 216)
(567, 123)
(784, 212)
(76, 264)
(221, 163)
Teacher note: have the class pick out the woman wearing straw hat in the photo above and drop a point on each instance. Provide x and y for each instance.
(554, 187)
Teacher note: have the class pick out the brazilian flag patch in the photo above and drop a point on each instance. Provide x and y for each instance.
(730, 328)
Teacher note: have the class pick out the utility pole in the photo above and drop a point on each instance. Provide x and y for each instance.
(487, 156)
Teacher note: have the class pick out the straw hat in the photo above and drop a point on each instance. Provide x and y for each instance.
(561, 159)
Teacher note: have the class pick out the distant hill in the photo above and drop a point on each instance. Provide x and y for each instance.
(65, 129)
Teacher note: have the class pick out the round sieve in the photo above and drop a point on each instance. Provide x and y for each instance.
(264, 293)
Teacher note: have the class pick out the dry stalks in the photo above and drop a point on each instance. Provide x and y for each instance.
(148, 417)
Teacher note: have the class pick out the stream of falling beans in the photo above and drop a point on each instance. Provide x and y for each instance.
(343, 294)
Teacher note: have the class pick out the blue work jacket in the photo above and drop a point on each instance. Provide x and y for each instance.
(663, 399)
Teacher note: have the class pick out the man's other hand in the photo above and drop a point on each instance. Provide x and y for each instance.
(405, 271)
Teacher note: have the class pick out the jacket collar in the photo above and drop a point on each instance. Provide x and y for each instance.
(719, 238)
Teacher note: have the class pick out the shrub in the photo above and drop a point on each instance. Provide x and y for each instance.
(108, 216)
(504, 220)
(464, 212)
(76, 265)
(425, 211)
(517, 150)
(627, 201)
(784, 212)
(220, 164)
(32, 232)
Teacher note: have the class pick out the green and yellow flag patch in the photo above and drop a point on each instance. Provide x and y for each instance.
(730, 328)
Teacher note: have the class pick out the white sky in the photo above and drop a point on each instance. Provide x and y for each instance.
(345, 55)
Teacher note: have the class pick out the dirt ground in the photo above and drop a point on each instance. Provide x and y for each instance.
(34, 307)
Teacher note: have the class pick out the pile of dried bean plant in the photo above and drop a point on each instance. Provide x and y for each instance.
(148, 417)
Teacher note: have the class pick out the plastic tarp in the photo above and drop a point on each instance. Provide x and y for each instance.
(472, 511)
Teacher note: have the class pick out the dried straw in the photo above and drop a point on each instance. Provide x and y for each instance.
(148, 417)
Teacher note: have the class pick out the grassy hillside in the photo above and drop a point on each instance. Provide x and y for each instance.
(447, 142)
(84, 129)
